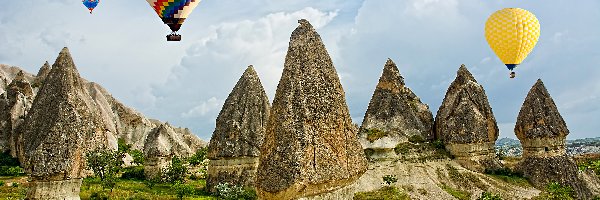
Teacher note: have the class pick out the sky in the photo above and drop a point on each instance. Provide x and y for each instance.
(122, 46)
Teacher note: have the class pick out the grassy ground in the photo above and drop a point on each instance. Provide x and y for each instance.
(133, 189)
(388, 193)
(10, 190)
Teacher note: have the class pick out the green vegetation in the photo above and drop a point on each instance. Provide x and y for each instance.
(456, 193)
(418, 151)
(133, 173)
(465, 179)
(9, 166)
(390, 179)
(375, 134)
(508, 176)
(134, 189)
(416, 139)
(138, 157)
(16, 191)
(175, 172)
(558, 191)
(198, 157)
(489, 196)
(592, 165)
(387, 193)
(232, 192)
(106, 165)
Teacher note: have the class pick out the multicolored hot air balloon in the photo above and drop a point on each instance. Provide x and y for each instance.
(90, 4)
(512, 33)
(173, 13)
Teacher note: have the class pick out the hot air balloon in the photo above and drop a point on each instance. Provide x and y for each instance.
(90, 4)
(173, 13)
(512, 33)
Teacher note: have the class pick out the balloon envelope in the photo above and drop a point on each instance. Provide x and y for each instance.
(91, 4)
(173, 12)
(512, 33)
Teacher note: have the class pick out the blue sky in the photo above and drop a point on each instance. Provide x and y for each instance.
(122, 47)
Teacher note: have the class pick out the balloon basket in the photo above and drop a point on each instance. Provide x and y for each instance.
(173, 37)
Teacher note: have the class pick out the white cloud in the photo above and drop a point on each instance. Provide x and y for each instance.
(210, 105)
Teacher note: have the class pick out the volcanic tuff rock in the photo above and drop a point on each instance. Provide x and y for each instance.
(310, 146)
(396, 112)
(466, 124)
(61, 126)
(14, 105)
(542, 132)
(234, 147)
(163, 143)
(42, 74)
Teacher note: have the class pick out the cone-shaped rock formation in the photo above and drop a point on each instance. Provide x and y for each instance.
(394, 115)
(42, 74)
(310, 146)
(15, 104)
(61, 126)
(542, 132)
(466, 124)
(234, 147)
(162, 144)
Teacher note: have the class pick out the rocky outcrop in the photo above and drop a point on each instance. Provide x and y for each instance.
(235, 144)
(394, 115)
(61, 126)
(42, 74)
(14, 105)
(466, 124)
(542, 132)
(162, 144)
(310, 146)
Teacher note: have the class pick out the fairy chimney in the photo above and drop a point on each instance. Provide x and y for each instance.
(542, 132)
(234, 147)
(395, 115)
(466, 124)
(62, 125)
(311, 146)
(161, 145)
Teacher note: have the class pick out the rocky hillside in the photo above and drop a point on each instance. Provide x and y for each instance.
(19, 90)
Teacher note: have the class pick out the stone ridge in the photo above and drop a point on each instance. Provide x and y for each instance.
(240, 125)
(61, 125)
(311, 146)
(395, 110)
(540, 112)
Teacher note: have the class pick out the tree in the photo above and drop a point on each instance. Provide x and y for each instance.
(175, 172)
(138, 157)
(198, 157)
(106, 164)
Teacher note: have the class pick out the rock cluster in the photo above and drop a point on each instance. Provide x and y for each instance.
(394, 115)
(14, 105)
(542, 132)
(310, 146)
(234, 147)
(61, 126)
(466, 124)
(162, 144)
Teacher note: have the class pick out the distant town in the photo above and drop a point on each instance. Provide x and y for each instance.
(512, 147)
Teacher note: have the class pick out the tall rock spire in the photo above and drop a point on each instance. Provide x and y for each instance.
(466, 124)
(311, 146)
(41, 75)
(61, 126)
(234, 147)
(542, 132)
(395, 111)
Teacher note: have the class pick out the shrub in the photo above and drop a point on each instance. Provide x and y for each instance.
(134, 173)
(175, 172)
(7, 160)
(182, 190)
(105, 164)
(389, 179)
(375, 134)
(15, 185)
(198, 157)
(233, 192)
(1, 183)
(98, 196)
(11, 171)
(489, 196)
(459, 194)
(439, 144)
(138, 157)
(387, 193)
(123, 147)
(557, 191)
(416, 139)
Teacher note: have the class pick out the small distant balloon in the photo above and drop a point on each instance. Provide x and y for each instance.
(512, 33)
(91, 4)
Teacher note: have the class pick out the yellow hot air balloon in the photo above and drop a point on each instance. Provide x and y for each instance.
(512, 33)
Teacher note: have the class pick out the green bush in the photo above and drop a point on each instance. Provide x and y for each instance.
(387, 193)
(489, 196)
(175, 172)
(233, 192)
(439, 144)
(389, 179)
(7, 160)
(416, 139)
(11, 171)
(557, 191)
(1, 183)
(182, 190)
(134, 173)
(198, 157)
(375, 134)
(138, 157)
(123, 147)
(98, 196)
(105, 164)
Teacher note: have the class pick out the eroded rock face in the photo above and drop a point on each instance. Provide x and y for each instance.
(466, 124)
(395, 113)
(162, 144)
(42, 74)
(234, 147)
(15, 104)
(310, 146)
(61, 126)
(542, 132)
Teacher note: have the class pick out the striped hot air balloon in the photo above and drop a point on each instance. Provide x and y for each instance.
(173, 13)
(512, 33)
(90, 4)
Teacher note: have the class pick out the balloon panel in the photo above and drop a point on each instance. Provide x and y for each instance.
(173, 8)
(91, 4)
(512, 33)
